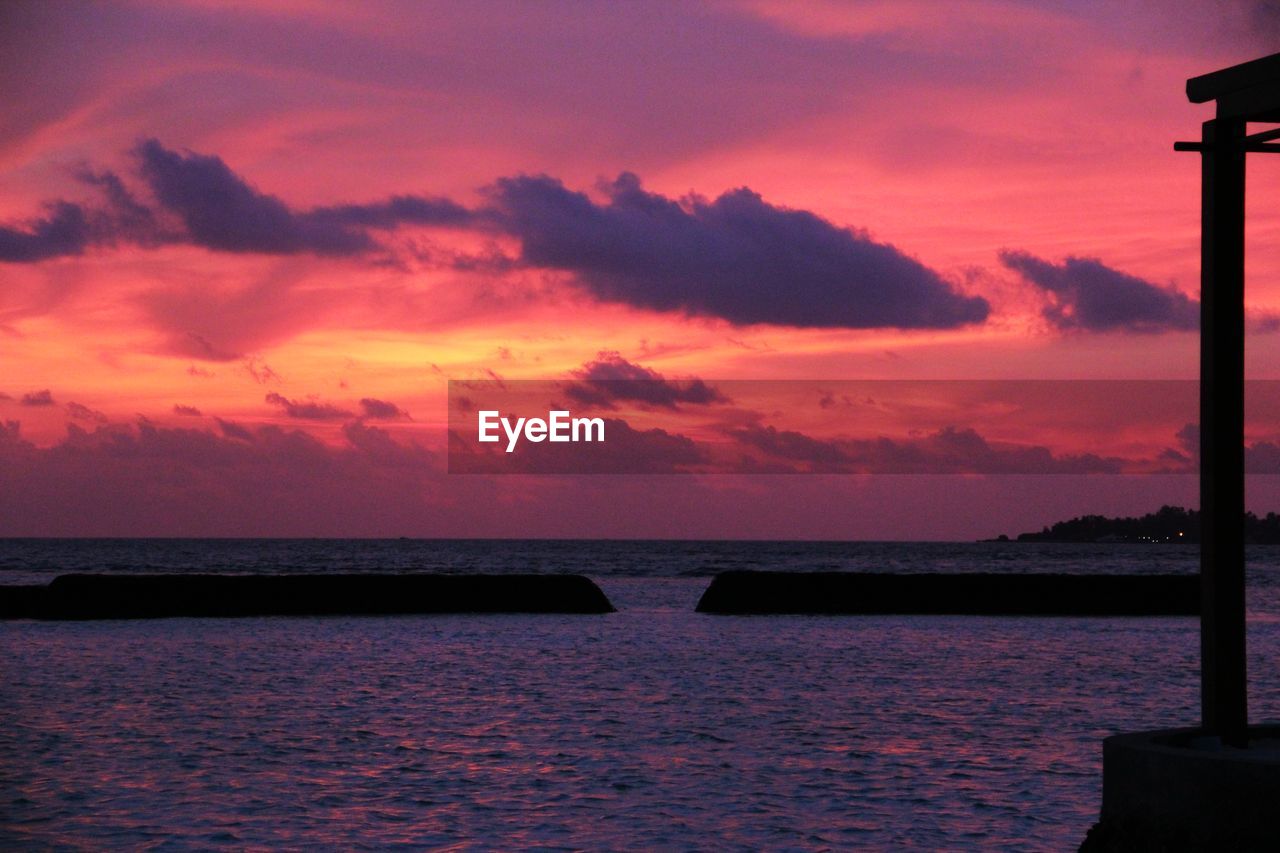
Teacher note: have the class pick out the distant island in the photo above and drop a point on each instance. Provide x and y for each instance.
(1168, 524)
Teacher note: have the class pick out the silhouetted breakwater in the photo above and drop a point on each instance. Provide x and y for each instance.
(123, 596)
(752, 592)
(20, 602)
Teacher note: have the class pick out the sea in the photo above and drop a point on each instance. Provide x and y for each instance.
(654, 727)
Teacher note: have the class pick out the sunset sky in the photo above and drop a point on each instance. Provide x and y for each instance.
(245, 246)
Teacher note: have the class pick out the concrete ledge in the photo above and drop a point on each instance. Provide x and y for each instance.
(1177, 790)
(122, 596)
(748, 592)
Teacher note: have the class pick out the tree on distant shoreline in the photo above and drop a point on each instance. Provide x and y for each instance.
(1168, 524)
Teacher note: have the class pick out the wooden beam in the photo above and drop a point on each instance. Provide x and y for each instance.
(1222, 626)
(1256, 103)
(1263, 136)
(1212, 86)
(1249, 147)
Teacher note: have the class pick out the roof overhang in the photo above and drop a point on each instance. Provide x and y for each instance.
(1249, 91)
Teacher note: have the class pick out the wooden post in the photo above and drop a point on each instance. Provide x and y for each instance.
(1222, 628)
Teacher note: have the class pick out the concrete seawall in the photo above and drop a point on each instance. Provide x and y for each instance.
(123, 596)
(762, 593)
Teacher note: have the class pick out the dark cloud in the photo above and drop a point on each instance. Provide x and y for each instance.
(1185, 456)
(38, 398)
(950, 450)
(382, 410)
(231, 429)
(83, 413)
(217, 209)
(610, 378)
(378, 445)
(758, 449)
(261, 371)
(308, 410)
(64, 231)
(1087, 295)
(126, 219)
(186, 411)
(737, 257)
(143, 479)
(222, 211)
(1262, 457)
(1189, 440)
(794, 446)
(762, 449)
(395, 211)
(828, 400)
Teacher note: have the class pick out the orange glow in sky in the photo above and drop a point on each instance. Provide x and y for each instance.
(250, 245)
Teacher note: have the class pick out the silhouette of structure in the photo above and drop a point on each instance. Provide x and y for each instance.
(985, 593)
(1243, 93)
(130, 596)
(1212, 787)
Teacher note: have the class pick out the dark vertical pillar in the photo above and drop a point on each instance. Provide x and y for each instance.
(1222, 640)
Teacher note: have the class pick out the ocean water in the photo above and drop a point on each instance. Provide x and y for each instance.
(653, 727)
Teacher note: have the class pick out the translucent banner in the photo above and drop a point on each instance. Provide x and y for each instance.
(661, 426)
